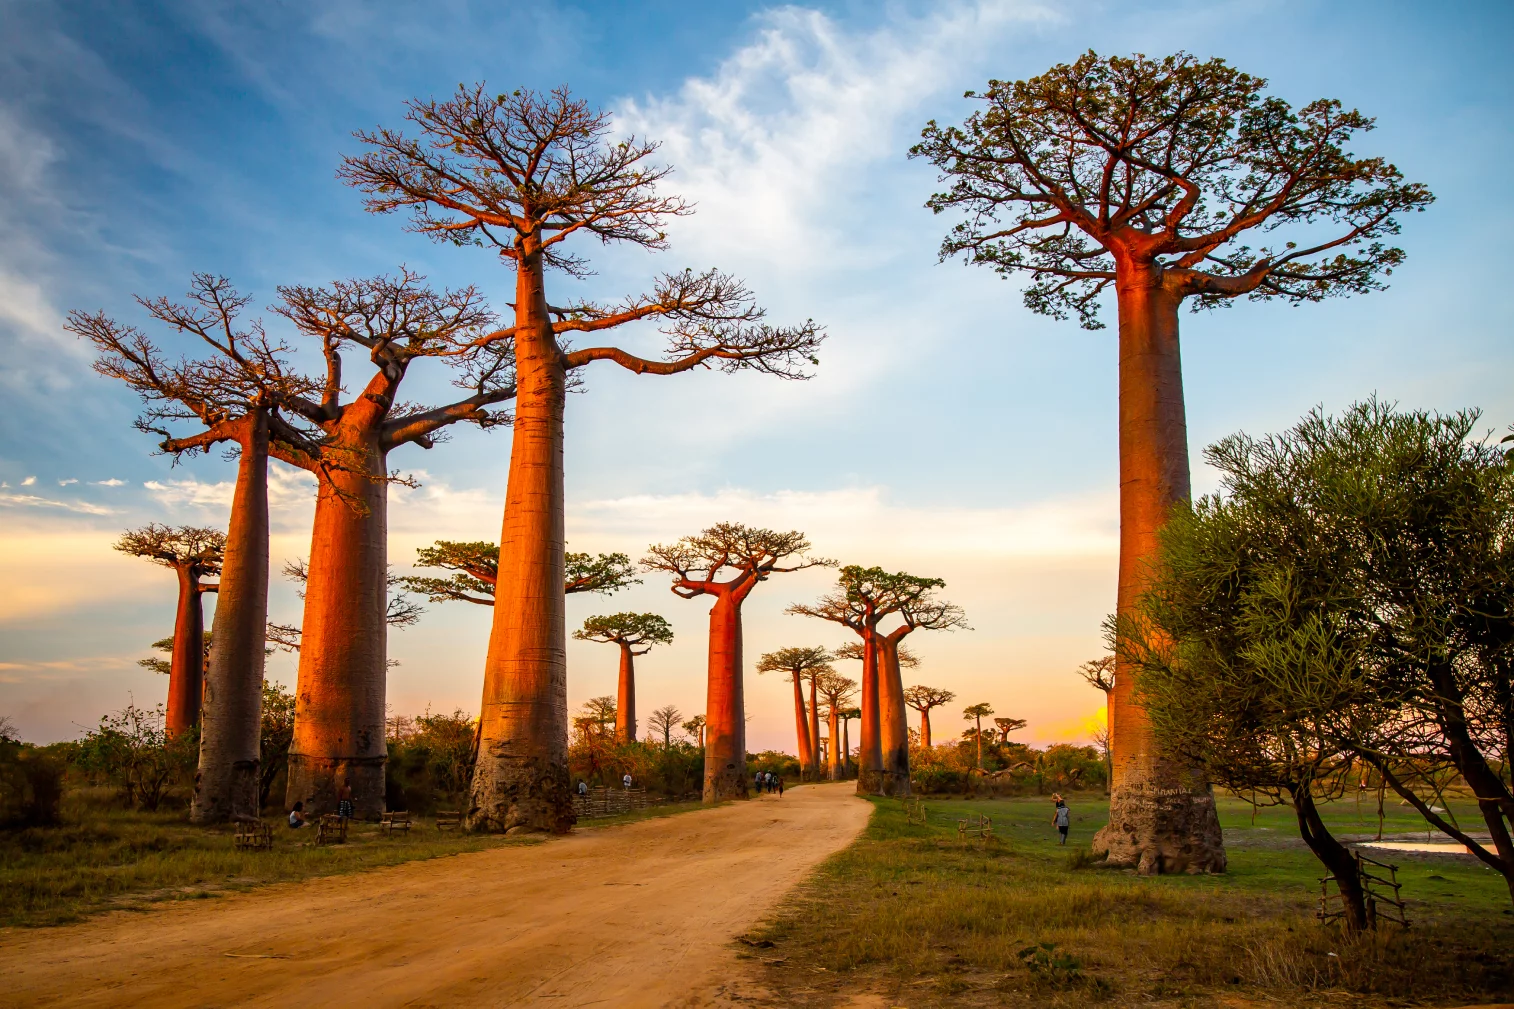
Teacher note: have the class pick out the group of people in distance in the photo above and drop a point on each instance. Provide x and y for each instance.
(767, 781)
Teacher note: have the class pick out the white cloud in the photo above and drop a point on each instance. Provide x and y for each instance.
(65, 483)
(33, 501)
(28, 481)
(112, 482)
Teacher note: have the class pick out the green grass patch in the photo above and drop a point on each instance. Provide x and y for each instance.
(913, 914)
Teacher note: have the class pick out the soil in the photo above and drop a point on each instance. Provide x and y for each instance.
(643, 914)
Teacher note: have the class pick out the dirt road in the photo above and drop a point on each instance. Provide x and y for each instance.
(639, 915)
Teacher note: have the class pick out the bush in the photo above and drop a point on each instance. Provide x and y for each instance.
(132, 751)
(31, 784)
(430, 762)
(774, 761)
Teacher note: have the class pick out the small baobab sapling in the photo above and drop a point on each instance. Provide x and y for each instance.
(727, 561)
(635, 634)
(193, 552)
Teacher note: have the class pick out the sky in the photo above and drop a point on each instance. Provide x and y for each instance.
(947, 431)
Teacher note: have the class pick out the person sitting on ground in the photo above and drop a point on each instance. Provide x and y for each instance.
(1062, 817)
(297, 816)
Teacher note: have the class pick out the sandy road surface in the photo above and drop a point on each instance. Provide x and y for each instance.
(638, 915)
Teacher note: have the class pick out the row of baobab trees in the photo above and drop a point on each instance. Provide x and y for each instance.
(1137, 177)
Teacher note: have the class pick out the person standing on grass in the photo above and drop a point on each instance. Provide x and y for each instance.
(1062, 817)
(344, 801)
(627, 781)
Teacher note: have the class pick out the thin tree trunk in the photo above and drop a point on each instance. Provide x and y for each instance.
(186, 666)
(978, 738)
(870, 749)
(1488, 787)
(1333, 855)
(339, 699)
(625, 700)
(228, 783)
(925, 728)
(725, 711)
(833, 758)
(521, 778)
(893, 718)
(846, 745)
(1162, 816)
(801, 722)
(814, 730)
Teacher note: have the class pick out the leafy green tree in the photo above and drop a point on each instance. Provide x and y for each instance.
(277, 734)
(133, 750)
(976, 713)
(1143, 178)
(663, 721)
(475, 571)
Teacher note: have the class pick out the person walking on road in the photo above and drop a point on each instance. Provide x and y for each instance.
(780, 786)
(1062, 817)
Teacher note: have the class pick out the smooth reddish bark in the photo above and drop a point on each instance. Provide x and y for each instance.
(625, 699)
(227, 781)
(837, 749)
(725, 707)
(801, 724)
(186, 667)
(925, 728)
(814, 733)
(869, 738)
(521, 778)
(893, 715)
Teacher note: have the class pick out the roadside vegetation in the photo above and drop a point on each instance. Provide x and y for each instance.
(914, 914)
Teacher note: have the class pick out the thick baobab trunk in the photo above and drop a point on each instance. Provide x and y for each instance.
(836, 753)
(802, 728)
(725, 710)
(625, 698)
(1162, 816)
(521, 778)
(925, 728)
(870, 745)
(339, 700)
(227, 784)
(1334, 856)
(893, 718)
(814, 729)
(186, 666)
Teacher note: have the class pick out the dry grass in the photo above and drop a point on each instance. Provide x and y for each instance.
(916, 916)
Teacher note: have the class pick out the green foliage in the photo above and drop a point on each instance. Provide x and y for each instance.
(276, 737)
(775, 761)
(31, 783)
(131, 751)
(1060, 970)
(673, 771)
(431, 765)
(634, 629)
(1008, 768)
(475, 567)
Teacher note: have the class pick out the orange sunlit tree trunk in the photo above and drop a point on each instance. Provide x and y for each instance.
(802, 664)
(391, 322)
(923, 699)
(192, 552)
(727, 561)
(863, 598)
(1141, 178)
(522, 173)
(234, 395)
(838, 691)
(636, 634)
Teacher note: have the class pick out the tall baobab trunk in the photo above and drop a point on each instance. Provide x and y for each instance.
(802, 728)
(870, 744)
(186, 666)
(978, 738)
(836, 753)
(228, 781)
(814, 733)
(625, 700)
(521, 778)
(339, 701)
(1162, 816)
(925, 728)
(725, 709)
(893, 718)
(846, 745)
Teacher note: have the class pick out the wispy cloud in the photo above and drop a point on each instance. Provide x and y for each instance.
(28, 481)
(112, 482)
(12, 500)
(65, 483)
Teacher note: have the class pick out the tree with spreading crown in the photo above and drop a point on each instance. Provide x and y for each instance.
(802, 664)
(636, 634)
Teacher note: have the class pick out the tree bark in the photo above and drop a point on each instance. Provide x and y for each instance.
(925, 728)
(228, 782)
(870, 744)
(625, 701)
(834, 758)
(1333, 855)
(1162, 816)
(725, 710)
(186, 666)
(814, 762)
(339, 699)
(893, 717)
(846, 745)
(521, 778)
(801, 722)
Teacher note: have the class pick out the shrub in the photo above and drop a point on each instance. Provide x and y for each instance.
(430, 762)
(31, 784)
(132, 751)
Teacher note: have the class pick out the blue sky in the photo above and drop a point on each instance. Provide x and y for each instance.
(947, 432)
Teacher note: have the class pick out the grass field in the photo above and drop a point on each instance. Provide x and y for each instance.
(910, 913)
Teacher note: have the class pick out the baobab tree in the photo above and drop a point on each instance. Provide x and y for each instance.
(522, 174)
(392, 322)
(475, 568)
(1144, 177)
(727, 561)
(1008, 725)
(237, 394)
(193, 552)
(976, 713)
(923, 699)
(802, 664)
(165, 645)
(663, 721)
(636, 634)
(864, 597)
(847, 717)
(1099, 674)
(838, 691)
(695, 728)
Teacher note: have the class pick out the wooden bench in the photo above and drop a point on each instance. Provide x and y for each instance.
(390, 822)
(253, 835)
(449, 819)
(331, 829)
(978, 827)
(914, 810)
